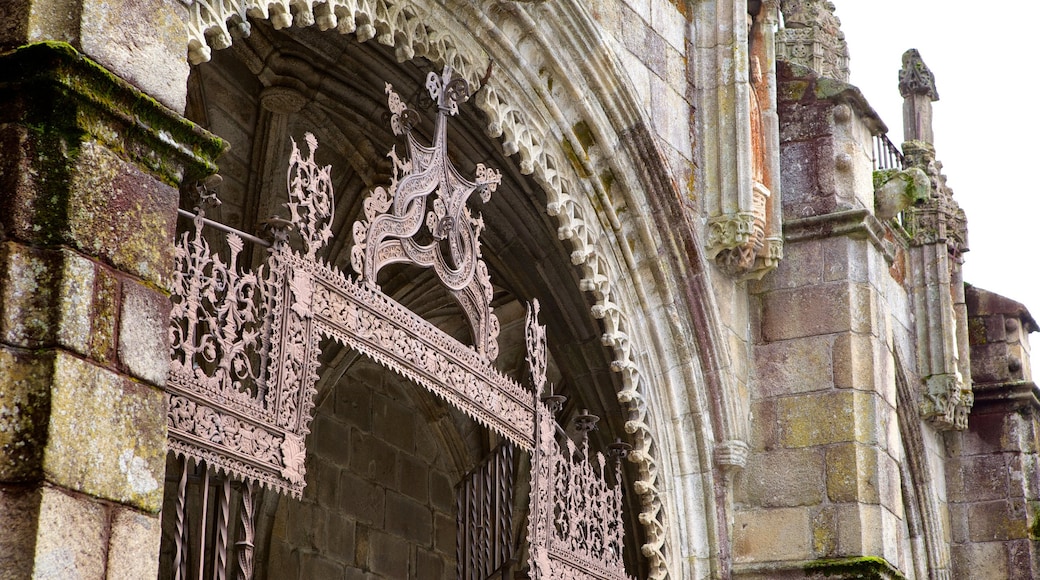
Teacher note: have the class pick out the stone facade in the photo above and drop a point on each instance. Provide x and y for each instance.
(776, 324)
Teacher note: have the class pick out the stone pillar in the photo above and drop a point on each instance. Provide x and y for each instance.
(938, 240)
(821, 490)
(917, 87)
(992, 482)
(89, 168)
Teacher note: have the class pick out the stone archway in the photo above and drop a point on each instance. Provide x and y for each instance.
(594, 160)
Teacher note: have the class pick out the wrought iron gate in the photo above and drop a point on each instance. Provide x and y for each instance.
(245, 357)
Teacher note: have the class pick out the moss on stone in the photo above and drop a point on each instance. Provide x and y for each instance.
(54, 90)
(871, 567)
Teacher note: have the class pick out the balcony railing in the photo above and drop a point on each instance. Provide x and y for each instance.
(886, 154)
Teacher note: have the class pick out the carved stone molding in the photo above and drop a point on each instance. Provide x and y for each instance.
(938, 240)
(741, 177)
(812, 37)
(915, 78)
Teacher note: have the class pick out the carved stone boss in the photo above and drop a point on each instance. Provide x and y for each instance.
(245, 342)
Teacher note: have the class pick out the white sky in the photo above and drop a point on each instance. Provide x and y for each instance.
(986, 130)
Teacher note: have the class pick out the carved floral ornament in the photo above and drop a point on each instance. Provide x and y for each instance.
(245, 342)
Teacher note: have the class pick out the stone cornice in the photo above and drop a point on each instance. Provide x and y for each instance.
(52, 86)
(1011, 396)
(855, 223)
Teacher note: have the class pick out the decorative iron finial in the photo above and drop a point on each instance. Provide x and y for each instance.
(534, 334)
(426, 190)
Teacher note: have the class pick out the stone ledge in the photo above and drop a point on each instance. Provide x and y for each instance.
(50, 86)
(866, 567)
(855, 223)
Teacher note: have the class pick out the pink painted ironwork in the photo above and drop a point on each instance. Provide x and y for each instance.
(245, 355)
(575, 525)
(427, 195)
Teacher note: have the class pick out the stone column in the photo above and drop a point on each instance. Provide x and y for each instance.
(89, 169)
(917, 87)
(938, 240)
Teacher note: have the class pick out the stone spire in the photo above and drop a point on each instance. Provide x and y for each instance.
(812, 37)
(917, 86)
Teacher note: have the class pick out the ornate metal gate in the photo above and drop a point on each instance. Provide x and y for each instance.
(245, 357)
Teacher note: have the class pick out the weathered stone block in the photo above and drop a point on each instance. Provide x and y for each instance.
(361, 499)
(409, 519)
(373, 458)
(341, 537)
(997, 521)
(771, 534)
(782, 478)
(445, 530)
(802, 266)
(852, 473)
(70, 537)
(331, 439)
(394, 423)
(442, 492)
(315, 565)
(812, 311)
(19, 509)
(133, 546)
(141, 41)
(981, 561)
(765, 433)
(387, 555)
(306, 528)
(59, 298)
(143, 331)
(977, 478)
(29, 281)
(429, 565)
(859, 529)
(854, 360)
(106, 436)
(816, 419)
(793, 366)
(413, 478)
(25, 378)
(825, 532)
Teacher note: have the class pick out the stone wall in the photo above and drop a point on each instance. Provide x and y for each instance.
(380, 500)
(994, 466)
(822, 486)
(83, 311)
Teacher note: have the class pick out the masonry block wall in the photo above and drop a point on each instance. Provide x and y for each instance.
(380, 498)
(823, 483)
(84, 311)
(994, 489)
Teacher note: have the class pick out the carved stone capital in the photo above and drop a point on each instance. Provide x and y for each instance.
(947, 402)
(731, 455)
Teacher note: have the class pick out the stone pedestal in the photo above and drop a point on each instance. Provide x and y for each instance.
(89, 169)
